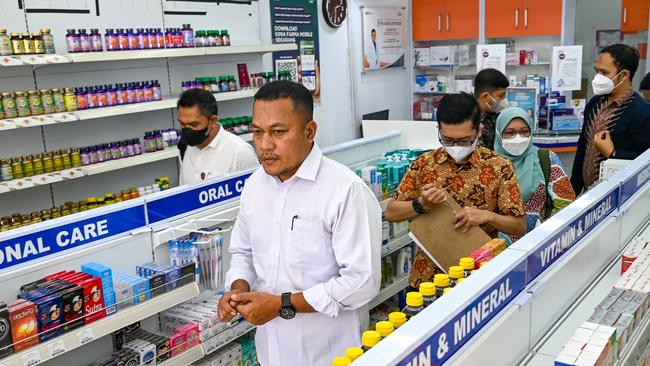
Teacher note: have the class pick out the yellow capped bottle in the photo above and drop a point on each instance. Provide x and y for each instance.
(467, 264)
(455, 273)
(447, 290)
(460, 280)
(369, 339)
(341, 361)
(353, 353)
(414, 304)
(428, 291)
(384, 328)
(441, 281)
(397, 318)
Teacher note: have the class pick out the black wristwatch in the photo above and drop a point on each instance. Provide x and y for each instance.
(417, 207)
(287, 311)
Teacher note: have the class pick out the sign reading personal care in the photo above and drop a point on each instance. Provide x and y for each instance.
(296, 21)
(567, 68)
(563, 240)
(468, 321)
(185, 202)
(491, 56)
(71, 236)
(384, 37)
(634, 183)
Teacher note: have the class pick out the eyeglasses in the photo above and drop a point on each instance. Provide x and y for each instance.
(446, 141)
(510, 133)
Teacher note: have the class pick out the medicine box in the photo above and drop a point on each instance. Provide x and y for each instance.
(24, 324)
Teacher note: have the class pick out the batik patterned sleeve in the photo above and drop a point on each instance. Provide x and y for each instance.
(509, 200)
(409, 187)
(559, 185)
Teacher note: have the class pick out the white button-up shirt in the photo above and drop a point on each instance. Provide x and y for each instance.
(318, 233)
(226, 153)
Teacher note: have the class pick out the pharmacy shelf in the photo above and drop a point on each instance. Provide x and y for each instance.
(49, 178)
(36, 60)
(636, 345)
(186, 358)
(395, 245)
(81, 336)
(88, 114)
(530, 65)
(226, 337)
(169, 153)
(389, 291)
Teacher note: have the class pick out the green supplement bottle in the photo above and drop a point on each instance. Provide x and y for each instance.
(9, 105)
(35, 103)
(48, 162)
(428, 291)
(17, 168)
(414, 304)
(28, 166)
(22, 104)
(75, 157)
(37, 160)
(58, 160)
(67, 159)
(59, 102)
(47, 100)
(369, 339)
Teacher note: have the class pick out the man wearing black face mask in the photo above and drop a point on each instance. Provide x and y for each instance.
(211, 150)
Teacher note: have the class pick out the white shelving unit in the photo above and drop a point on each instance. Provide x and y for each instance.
(395, 245)
(186, 358)
(40, 60)
(228, 336)
(390, 290)
(81, 336)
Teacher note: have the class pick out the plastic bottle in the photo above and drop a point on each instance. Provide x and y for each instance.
(404, 262)
(455, 273)
(211, 38)
(442, 282)
(151, 38)
(133, 39)
(124, 151)
(447, 290)
(101, 153)
(84, 41)
(39, 45)
(369, 339)
(414, 304)
(35, 103)
(9, 105)
(160, 38)
(467, 264)
(143, 40)
(5, 43)
(341, 361)
(111, 39)
(428, 291)
(96, 40)
(115, 150)
(69, 100)
(28, 44)
(398, 318)
(17, 46)
(82, 99)
(122, 94)
(188, 35)
(139, 92)
(91, 95)
(132, 93)
(225, 37)
(71, 41)
(137, 146)
(122, 39)
(102, 97)
(353, 353)
(47, 101)
(157, 91)
(200, 40)
(232, 83)
(22, 104)
(384, 328)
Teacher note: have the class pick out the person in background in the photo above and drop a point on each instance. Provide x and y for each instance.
(617, 119)
(490, 87)
(480, 180)
(545, 187)
(644, 88)
(210, 151)
(306, 244)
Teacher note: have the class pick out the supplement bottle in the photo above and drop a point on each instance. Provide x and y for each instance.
(111, 94)
(133, 39)
(55, 213)
(384, 328)
(404, 262)
(22, 104)
(151, 38)
(211, 39)
(5, 170)
(91, 202)
(35, 103)
(447, 290)
(5, 224)
(67, 159)
(137, 147)
(28, 44)
(160, 38)
(28, 166)
(369, 339)
(353, 353)
(188, 35)
(85, 156)
(72, 42)
(109, 199)
(124, 152)
(428, 291)
(17, 168)
(115, 150)
(341, 361)
(82, 99)
(70, 100)
(122, 94)
(39, 45)
(84, 41)
(200, 39)
(139, 92)
(122, 40)
(96, 41)
(48, 40)
(232, 84)
(5, 43)
(36, 217)
(74, 207)
(442, 282)
(37, 160)
(59, 100)
(225, 38)
(48, 163)
(17, 46)
(57, 159)
(102, 97)
(9, 105)
(92, 97)
(131, 93)
(47, 101)
(414, 304)
(455, 273)
(111, 40)
(92, 154)
(143, 40)
(397, 318)
(467, 264)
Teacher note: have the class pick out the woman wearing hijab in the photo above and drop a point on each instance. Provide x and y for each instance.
(545, 187)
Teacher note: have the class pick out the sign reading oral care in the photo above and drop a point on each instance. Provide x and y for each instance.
(70, 236)
(635, 182)
(467, 322)
(564, 239)
(184, 202)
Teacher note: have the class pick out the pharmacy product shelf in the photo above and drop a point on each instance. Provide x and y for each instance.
(543, 63)
(636, 345)
(79, 337)
(35, 60)
(33, 121)
(389, 291)
(186, 358)
(43, 179)
(395, 245)
(227, 336)
(171, 152)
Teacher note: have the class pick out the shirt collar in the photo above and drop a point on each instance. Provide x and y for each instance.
(217, 139)
(309, 167)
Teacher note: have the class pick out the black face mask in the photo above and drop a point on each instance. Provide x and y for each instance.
(194, 137)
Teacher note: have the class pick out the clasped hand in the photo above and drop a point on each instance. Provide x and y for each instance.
(256, 307)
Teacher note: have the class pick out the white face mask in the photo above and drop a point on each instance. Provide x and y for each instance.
(459, 153)
(517, 145)
(603, 85)
(500, 105)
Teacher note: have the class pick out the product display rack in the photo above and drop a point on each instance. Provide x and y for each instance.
(186, 358)
(395, 245)
(105, 326)
(389, 291)
(40, 60)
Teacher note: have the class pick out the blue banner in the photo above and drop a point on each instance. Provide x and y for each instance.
(635, 183)
(69, 236)
(466, 323)
(184, 202)
(564, 239)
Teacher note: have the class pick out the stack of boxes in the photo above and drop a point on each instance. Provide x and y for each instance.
(147, 344)
(131, 290)
(592, 344)
(488, 251)
(239, 353)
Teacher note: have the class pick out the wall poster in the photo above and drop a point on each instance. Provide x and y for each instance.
(384, 37)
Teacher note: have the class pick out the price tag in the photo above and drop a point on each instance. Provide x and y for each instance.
(10, 61)
(46, 119)
(18, 184)
(32, 358)
(64, 117)
(7, 125)
(56, 348)
(56, 59)
(34, 60)
(85, 336)
(4, 188)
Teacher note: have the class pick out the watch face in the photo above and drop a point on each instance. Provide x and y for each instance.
(335, 12)
(287, 313)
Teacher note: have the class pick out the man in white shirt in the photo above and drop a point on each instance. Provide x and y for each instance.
(306, 244)
(372, 52)
(212, 151)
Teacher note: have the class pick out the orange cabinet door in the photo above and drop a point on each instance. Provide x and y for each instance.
(428, 20)
(543, 18)
(634, 16)
(503, 18)
(461, 19)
